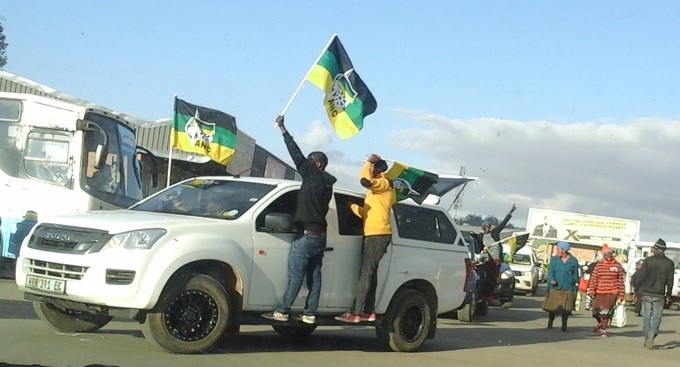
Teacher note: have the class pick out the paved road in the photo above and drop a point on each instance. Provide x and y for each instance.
(503, 338)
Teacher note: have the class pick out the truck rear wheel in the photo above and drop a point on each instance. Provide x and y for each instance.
(467, 313)
(67, 320)
(191, 315)
(406, 324)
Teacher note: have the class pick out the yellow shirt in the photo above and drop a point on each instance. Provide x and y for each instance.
(377, 203)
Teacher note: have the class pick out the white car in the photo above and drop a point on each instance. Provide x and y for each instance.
(525, 266)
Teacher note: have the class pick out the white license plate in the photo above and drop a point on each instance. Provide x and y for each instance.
(45, 284)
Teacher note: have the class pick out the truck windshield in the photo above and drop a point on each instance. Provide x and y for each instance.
(224, 199)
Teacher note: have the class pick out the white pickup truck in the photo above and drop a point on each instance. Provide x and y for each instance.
(197, 260)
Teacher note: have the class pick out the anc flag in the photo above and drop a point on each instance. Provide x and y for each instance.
(411, 182)
(347, 99)
(205, 131)
(516, 242)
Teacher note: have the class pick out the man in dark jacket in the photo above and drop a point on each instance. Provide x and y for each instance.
(656, 284)
(306, 251)
(490, 238)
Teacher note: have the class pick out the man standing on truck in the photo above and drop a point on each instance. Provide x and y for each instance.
(375, 213)
(490, 237)
(656, 285)
(306, 251)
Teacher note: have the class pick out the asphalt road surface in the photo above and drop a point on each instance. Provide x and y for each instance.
(504, 338)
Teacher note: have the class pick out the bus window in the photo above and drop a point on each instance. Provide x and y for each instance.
(47, 157)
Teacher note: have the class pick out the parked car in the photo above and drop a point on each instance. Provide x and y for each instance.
(525, 266)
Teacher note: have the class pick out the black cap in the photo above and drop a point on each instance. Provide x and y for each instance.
(660, 244)
(380, 165)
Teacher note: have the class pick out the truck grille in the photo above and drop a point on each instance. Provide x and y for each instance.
(65, 239)
(63, 271)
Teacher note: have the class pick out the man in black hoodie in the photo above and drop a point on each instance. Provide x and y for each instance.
(656, 284)
(306, 251)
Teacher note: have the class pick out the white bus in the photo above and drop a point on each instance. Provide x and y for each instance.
(59, 156)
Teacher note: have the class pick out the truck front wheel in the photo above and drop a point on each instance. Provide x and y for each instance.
(405, 325)
(66, 320)
(191, 315)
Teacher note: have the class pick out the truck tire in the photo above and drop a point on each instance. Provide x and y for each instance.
(467, 313)
(405, 325)
(70, 321)
(191, 315)
(294, 331)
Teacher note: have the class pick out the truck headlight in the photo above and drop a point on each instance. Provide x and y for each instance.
(135, 240)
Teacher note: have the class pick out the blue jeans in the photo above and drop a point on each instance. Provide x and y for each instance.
(304, 259)
(652, 310)
(372, 251)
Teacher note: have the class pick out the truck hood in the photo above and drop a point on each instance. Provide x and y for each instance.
(517, 267)
(117, 221)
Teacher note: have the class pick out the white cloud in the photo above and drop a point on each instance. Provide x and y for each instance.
(626, 170)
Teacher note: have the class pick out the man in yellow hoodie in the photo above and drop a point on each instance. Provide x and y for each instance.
(377, 236)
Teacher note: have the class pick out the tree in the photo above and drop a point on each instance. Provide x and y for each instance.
(3, 47)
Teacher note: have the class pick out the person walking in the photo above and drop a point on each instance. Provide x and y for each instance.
(605, 289)
(635, 281)
(377, 236)
(656, 284)
(306, 251)
(563, 279)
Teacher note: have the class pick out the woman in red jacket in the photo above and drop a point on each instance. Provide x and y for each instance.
(605, 289)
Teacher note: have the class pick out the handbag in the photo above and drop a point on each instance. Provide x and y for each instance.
(619, 317)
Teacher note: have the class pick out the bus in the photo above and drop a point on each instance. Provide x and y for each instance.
(59, 156)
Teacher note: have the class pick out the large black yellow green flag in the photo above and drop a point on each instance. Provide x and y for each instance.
(201, 130)
(347, 100)
(411, 182)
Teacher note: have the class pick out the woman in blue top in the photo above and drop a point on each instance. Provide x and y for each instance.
(562, 282)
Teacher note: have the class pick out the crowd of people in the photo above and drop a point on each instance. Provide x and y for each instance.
(603, 285)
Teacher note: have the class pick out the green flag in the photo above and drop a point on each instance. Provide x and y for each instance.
(347, 99)
(411, 182)
(205, 131)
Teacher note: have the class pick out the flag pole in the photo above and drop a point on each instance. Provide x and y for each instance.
(172, 142)
(299, 87)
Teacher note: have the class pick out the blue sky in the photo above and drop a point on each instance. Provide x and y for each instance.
(572, 106)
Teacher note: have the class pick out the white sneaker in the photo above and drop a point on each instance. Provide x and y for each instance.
(308, 319)
(279, 316)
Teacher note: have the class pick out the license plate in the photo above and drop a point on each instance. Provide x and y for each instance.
(45, 284)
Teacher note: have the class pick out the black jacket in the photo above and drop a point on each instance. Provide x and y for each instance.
(656, 276)
(496, 251)
(316, 190)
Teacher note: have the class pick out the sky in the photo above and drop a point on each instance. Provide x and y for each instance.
(559, 105)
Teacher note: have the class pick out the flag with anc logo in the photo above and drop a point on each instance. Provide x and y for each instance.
(205, 131)
(516, 242)
(411, 182)
(347, 99)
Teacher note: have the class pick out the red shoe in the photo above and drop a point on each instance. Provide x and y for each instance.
(370, 317)
(348, 317)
